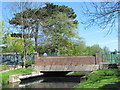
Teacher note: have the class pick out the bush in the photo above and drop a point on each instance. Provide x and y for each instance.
(29, 62)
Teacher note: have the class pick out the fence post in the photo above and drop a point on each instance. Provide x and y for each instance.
(35, 57)
(103, 57)
(97, 58)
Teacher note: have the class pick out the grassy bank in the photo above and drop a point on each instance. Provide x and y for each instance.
(5, 75)
(4, 66)
(108, 78)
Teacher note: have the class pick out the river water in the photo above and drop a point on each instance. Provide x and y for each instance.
(47, 82)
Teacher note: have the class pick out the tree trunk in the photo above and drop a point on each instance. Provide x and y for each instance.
(24, 49)
(36, 37)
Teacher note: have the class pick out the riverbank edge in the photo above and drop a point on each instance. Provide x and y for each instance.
(19, 77)
(100, 83)
(17, 72)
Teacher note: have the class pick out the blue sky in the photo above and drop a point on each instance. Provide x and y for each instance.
(93, 35)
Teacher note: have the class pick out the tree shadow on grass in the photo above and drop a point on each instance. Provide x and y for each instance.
(115, 86)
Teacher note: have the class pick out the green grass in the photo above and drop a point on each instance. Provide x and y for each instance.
(4, 66)
(102, 79)
(5, 75)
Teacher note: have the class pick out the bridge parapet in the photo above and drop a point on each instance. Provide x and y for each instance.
(66, 63)
(66, 60)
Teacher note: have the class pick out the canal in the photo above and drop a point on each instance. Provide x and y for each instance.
(47, 81)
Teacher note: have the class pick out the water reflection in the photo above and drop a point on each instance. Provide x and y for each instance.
(48, 82)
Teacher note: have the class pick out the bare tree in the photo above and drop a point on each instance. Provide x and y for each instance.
(104, 15)
(101, 14)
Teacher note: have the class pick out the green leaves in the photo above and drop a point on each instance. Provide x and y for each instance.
(55, 22)
(57, 26)
(2, 30)
(14, 44)
(91, 50)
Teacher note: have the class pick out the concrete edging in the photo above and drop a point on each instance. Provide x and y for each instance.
(18, 77)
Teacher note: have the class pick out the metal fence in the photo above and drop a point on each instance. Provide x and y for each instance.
(110, 57)
(16, 59)
(48, 54)
(13, 58)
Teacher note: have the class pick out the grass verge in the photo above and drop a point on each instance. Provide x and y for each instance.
(4, 66)
(107, 78)
(5, 75)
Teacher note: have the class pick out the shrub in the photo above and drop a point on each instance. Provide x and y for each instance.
(29, 62)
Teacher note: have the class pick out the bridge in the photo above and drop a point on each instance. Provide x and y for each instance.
(68, 63)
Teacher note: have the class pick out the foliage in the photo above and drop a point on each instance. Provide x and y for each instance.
(14, 44)
(59, 27)
(17, 45)
(91, 50)
(74, 47)
(59, 31)
(100, 78)
(77, 47)
(53, 28)
(29, 62)
(34, 20)
(46, 48)
(2, 32)
(5, 75)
